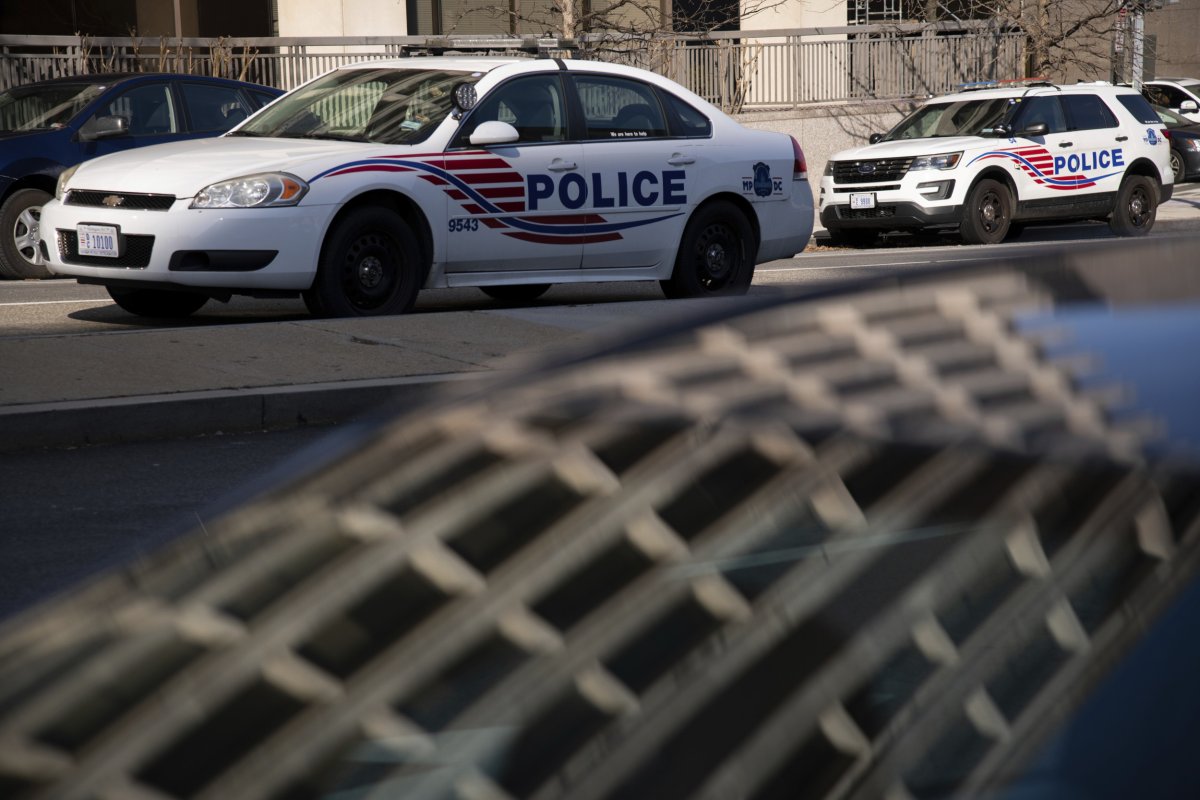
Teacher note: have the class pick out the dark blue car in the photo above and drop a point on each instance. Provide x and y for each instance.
(49, 126)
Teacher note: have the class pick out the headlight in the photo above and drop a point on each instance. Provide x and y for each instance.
(252, 191)
(940, 161)
(64, 176)
(828, 167)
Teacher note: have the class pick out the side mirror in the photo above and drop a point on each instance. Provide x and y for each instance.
(1189, 107)
(103, 128)
(1036, 129)
(494, 132)
(875, 138)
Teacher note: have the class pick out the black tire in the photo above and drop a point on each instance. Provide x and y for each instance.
(1177, 166)
(158, 303)
(716, 254)
(516, 294)
(987, 214)
(20, 217)
(370, 266)
(1136, 207)
(853, 238)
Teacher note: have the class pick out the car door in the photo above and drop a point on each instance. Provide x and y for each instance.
(1100, 148)
(152, 113)
(1041, 161)
(638, 176)
(514, 207)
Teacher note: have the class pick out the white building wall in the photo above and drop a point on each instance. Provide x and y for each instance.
(343, 18)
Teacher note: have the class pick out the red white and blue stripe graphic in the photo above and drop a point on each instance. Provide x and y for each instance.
(486, 186)
(1038, 164)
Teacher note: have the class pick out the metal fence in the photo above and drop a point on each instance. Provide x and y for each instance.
(737, 71)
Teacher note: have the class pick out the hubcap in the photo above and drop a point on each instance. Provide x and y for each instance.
(716, 261)
(27, 232)
(370, 272)
(990, 213)
(1139, 208)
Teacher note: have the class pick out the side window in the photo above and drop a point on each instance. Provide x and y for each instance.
(1087, 112)
(1042, 109)
(1157, 95)
(149, 109)
(532, 104)
(260, 99)
(616, 108)
(1171, 96)
(685, 120)
(214, 108)
(1136, 104)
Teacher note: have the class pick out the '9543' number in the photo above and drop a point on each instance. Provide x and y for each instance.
(460, 225)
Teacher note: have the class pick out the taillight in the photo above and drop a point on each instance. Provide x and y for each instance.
(799, 165)
(1166, 133)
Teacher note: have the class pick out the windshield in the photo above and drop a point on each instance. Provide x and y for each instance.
(958, 118)
(388, 106)
(31, 108)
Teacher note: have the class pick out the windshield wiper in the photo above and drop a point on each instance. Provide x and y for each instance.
(335, 137)
(246, 133)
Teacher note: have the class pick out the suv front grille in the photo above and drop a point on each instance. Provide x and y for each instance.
(121, 200)
(136, 253)
(877, 170)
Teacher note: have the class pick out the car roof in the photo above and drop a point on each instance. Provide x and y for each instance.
(114, 78)
(446, 63)
(1033, 90)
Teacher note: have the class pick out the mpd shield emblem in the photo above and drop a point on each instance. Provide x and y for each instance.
(762, 180)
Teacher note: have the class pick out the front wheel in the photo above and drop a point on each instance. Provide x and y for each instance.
(20, 222)
(988, 213)
(519, 293)
(716, 254)
(1136, 208)
(159, 303)
(1177, 166)
(370, 266)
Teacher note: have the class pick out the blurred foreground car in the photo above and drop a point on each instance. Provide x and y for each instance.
(1185, 144)
(904, 541)
(376, 180)
(50, 126)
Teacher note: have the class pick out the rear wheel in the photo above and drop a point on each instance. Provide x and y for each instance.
(516, 294)
(20, 222)
(716, 254)
(1136, 208)
(160, 303)
(1177, 166)
(370, 266)
(988, 213)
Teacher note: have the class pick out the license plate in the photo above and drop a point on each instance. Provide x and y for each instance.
(97, 240)
(862, 200)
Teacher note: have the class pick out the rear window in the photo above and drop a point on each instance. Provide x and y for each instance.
(1136, 104)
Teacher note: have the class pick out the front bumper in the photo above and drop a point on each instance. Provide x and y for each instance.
(894, 215)
(162, 247)
(925, 199)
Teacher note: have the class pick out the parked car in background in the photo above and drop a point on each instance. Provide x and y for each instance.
(1185, 144)
(49, 126)
(1181, 95)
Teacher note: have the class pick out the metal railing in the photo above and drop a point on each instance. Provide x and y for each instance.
(738, 70)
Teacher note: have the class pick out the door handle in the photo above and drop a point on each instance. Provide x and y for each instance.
(1066, 144)
(1122, 138)
(558, 165)
(679, 160)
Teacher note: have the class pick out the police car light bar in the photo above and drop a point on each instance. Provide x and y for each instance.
(999, 84)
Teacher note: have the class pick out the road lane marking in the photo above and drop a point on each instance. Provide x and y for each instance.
(57, 302)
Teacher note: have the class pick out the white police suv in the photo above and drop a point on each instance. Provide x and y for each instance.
(991, 159)
(375, 180)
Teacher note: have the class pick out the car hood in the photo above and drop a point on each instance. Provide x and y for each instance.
(913, 147)
(184, 168)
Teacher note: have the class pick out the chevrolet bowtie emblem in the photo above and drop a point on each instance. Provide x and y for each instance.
(113, 200)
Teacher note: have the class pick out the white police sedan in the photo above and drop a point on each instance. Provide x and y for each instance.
(375, 180)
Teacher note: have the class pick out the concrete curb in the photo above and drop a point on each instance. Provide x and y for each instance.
(128, 419)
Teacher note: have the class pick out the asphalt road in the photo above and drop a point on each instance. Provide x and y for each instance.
(55, 307)
(66, 514)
